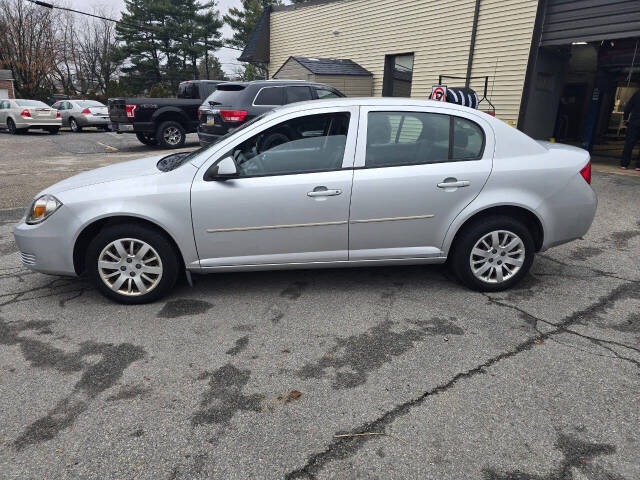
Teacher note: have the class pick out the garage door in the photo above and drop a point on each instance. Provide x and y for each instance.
(4, 93)
(569, 21)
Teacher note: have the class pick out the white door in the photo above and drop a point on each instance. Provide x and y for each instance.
(290, 201)
(415, 171)
(4, 93)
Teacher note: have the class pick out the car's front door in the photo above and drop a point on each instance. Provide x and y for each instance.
(415, 170)
(289, 203)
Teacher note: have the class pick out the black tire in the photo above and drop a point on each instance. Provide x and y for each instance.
(106, 129)
(73, 124)
(170, 134)
(146, 139)
(11, 126)
(153, 237)
(460, 255)
(53, 130)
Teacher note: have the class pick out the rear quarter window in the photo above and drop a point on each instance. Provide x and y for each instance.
(270, 96)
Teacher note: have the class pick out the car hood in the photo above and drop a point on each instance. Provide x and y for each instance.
(118, 171)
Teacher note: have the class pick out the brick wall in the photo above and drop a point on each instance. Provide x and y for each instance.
(8, 84)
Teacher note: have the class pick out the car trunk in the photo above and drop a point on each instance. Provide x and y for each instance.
(101, 112)
(42, 112)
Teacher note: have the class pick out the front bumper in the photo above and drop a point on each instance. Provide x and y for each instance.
(48, 247)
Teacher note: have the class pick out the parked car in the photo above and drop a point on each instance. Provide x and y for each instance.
(378, 181)
(19, 115)
(162, 121)
(78, 114)
(234, 103)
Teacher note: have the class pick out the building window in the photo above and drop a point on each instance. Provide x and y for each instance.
(398, 74)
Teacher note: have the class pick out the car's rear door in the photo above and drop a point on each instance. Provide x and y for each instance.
(415, 170)
(290, 202)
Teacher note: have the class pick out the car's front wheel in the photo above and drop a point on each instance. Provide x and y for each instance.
(132, 264)
(493, 254)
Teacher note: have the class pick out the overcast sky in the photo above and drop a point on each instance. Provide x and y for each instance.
(113, 7)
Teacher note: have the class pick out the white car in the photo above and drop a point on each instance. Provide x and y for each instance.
(328, 183)
(18, 115)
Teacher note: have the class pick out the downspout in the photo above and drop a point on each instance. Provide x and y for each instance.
(472, 46)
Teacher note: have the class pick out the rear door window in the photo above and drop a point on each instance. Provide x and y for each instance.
(298, 94)
(270, 96)
(414, 138)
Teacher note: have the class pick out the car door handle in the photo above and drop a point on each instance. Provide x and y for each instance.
(323, 192)
(458, 184)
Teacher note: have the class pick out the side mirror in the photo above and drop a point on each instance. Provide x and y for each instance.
(224, 169)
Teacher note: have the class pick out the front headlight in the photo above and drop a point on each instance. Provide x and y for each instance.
(42, 208)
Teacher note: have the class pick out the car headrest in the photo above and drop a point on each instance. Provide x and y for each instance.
(379, 130)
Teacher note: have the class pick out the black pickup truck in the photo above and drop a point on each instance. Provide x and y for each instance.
(162, 121)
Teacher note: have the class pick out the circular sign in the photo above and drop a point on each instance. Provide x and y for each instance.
(439, 93)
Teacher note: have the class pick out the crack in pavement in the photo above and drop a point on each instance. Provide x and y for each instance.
(345, 447)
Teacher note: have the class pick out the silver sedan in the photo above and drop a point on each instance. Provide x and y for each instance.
(19, 115)
(331, 183)
(77, 114)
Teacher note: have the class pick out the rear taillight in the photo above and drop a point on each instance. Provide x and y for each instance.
(86, 111)
(58, 115)
(233, 115)
(25, 113)
(199, 113)
(586, 172)
(131, 110)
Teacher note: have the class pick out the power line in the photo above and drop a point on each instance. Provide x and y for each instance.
(133, 25)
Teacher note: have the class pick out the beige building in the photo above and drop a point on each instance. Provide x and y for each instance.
(414, 39)
(554, 68)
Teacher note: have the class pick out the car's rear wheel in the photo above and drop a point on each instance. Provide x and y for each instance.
(73, 123)
(493, 254)
(146, 139)
(11, 126)
(171, 135)
(132, 264)
(53, 130)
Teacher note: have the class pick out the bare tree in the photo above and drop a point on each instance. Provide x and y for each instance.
(28, 46)
(96, 63)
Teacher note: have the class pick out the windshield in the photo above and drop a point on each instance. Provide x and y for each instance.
(175, 161)
(31, 103)
(89, 103)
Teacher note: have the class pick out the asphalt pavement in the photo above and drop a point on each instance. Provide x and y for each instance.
(368, 373)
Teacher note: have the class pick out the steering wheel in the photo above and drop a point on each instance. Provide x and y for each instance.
(249, 166)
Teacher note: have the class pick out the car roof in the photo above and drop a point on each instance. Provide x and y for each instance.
(275, 83)
(377, 101)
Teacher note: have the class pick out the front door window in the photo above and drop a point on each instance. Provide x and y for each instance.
(314, 143)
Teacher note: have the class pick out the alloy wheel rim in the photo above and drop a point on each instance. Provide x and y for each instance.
(497, 256)
(74, 125)
(172, 136)
(130, 267)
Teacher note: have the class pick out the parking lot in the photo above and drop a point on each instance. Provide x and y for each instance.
(371, 373)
